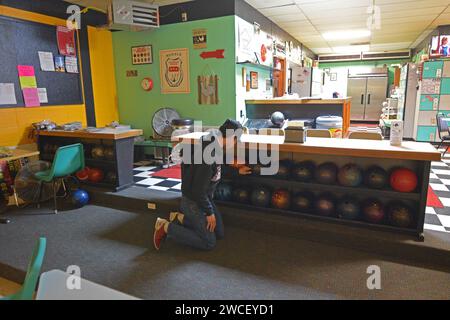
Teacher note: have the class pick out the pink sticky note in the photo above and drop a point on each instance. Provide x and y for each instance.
(25, 71)
(31, 97)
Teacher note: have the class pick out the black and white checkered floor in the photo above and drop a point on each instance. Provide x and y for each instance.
(437, 219)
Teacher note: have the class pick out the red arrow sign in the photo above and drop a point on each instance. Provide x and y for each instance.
(218, 54)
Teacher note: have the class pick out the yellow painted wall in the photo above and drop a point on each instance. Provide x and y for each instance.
(103, 76)
(15, 123)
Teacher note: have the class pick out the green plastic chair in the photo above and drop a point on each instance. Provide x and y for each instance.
(33, 273)
(68, 160)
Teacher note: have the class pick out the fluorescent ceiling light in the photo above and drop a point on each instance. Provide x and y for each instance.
(346, 34)
(352, 49)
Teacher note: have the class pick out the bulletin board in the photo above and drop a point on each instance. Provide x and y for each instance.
(20, 42)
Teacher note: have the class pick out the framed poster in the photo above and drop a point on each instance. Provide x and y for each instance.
(142, 55)
(253, 80)
(174, 71)
(199, 38)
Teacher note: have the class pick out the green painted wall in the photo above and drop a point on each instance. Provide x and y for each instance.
(136, 106)
(374, 64)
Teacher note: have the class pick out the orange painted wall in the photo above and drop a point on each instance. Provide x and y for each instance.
(103, 76)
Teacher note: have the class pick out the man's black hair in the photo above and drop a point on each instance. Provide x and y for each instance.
(230, 124)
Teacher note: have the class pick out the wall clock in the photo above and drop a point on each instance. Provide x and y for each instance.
(147, 84)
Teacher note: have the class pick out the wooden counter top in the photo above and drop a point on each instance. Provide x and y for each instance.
(20, 154)
(300, 101)
(108, 134)
(340, 147)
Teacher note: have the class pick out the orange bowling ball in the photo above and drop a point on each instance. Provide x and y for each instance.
(281, 199)
(96, 175)
(403, 180)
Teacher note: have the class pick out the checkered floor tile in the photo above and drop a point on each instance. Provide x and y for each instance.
(437, 219)
(143, 177)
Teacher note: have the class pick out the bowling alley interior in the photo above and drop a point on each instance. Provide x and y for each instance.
(338, 183)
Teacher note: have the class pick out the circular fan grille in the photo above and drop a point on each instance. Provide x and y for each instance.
(162, 121)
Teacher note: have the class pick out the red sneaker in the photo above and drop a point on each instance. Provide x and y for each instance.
(160, 234)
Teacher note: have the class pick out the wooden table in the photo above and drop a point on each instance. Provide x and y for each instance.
(20, 154)
(120, 164)
(302, 108)
(414, 155)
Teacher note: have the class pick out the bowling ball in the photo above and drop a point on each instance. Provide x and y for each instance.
(348, 208)
(325, 205)
(303, 202)
(109, 153)
(111, 177)
(98, 152)
(376, 177)
(256, 170)
(284, 169)
(224, 192)
(281, 199)
(95, 175)
(80, 198)
(83, 175)
(326, 173)
(241, 195)
(350, 175)
(261, 197)
(403, 180)
(400, 215)
(277, 118)
(303, 171)
(373, 211)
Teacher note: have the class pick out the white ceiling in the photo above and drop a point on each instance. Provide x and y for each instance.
(102, 5)
(404, 23)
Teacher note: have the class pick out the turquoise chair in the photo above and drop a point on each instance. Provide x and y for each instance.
(33, 273)
(68, 160)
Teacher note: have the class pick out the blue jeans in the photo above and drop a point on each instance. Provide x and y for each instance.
(193, 231)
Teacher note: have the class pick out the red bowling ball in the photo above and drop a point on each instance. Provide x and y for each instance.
(404, 180)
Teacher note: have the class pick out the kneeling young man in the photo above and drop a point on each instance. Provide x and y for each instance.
(200, 223)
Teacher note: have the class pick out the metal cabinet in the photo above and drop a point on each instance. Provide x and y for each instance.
(368, 94)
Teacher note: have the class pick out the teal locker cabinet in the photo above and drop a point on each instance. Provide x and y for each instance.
(434, 98)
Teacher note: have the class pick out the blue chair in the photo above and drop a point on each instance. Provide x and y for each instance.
(68, 160)
(33, 273)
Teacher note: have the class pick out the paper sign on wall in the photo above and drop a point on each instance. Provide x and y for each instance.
(7, 94)
(42, 94)
(28, 82)
(71, 64)
(31, 97)
(174, 71)
(66, 41)
(60, 64)
(46, 61)
(25, 71)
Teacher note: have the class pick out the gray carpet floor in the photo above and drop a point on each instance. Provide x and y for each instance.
(114, 248)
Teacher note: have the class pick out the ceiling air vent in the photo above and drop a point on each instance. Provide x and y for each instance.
(339, 57)
(386, 55)
(132, 15)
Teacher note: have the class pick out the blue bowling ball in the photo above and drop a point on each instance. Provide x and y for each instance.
(80, 198)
